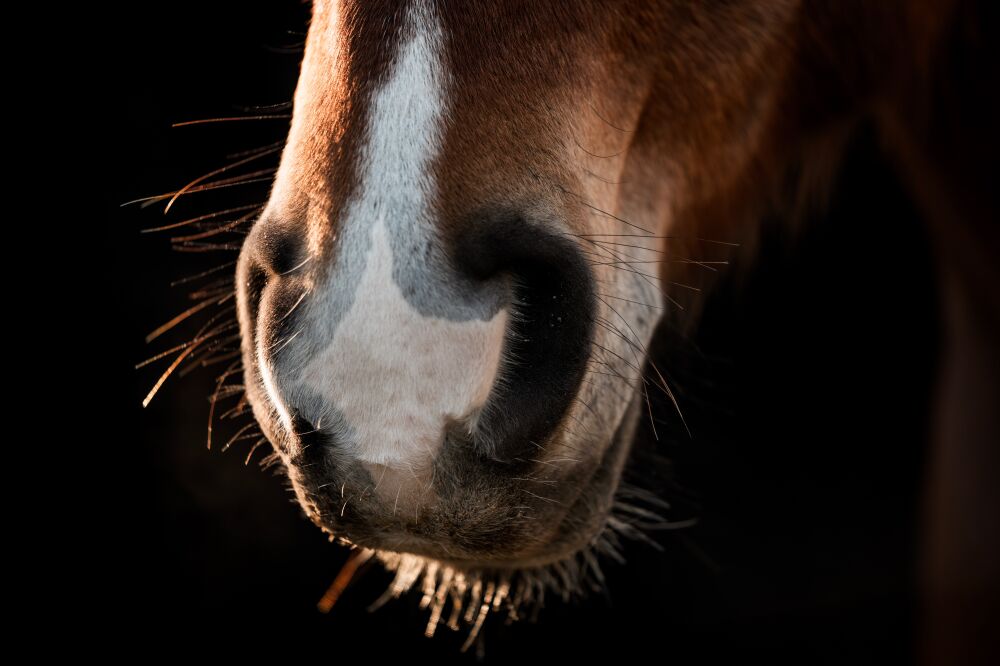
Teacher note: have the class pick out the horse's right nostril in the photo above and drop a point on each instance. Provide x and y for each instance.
(266, 286)
(273, 249)
(251, 281)
(279, 250)
(548, 344)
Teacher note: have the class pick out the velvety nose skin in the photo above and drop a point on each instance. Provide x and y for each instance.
(550, 334)
(278, 248)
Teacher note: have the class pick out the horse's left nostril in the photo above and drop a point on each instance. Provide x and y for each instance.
(548, 344)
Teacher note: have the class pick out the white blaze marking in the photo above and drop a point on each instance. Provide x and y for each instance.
(404, 130)
(397, 376)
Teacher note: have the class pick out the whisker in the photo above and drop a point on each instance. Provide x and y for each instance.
(235, 438)
(228, 167)
(354, 561)
(297, 266)
(606, 121)
(165, 353)
(292, 309)
(640, 274)
(606, 213)
(221, 358)
(252, 151)
(603, 179)
(198, 276)
(201, 218)
(217, 185)
(704, 240)
(676, 258)
(198, 339)
(230, 119)
(253, 449)
(638, 362)
(159, 383)
(210, 354)
(618, 264)
(186, 314)
(218, 230)
(266, 107)
(602, 157)
(218, 287)
(215, 397)
(222, 313)
(241, 407)
(619, 298)
(284, 343)
(658, 251)
(545, 499)
(665, 386)
(207, 247)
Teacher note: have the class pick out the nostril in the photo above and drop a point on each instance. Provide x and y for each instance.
(548, 344)
(265, 296)
(269, 252)
(250, 288)
(280, 250)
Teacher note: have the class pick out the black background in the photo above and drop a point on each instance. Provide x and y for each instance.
(807, 388)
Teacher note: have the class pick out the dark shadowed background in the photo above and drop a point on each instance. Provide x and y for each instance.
(806, 388)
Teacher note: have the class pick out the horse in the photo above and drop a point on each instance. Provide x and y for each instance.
(482, 213)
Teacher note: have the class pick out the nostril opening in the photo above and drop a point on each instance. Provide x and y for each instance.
(280, 250)
(548, 344)
(251, 289)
